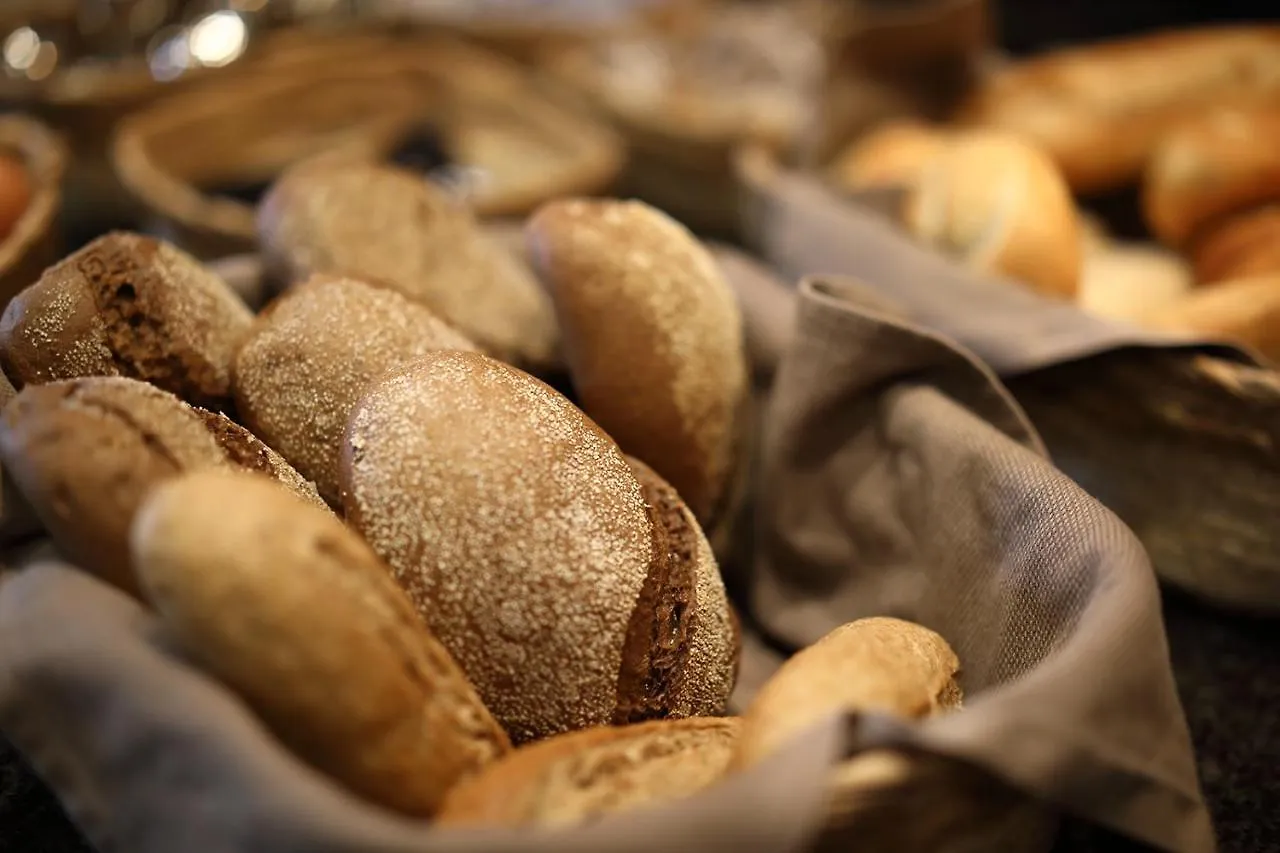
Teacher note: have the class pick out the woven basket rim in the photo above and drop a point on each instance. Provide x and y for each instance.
(45, 156)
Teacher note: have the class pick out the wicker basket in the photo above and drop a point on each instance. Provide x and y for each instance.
(360, 96)
(33, 243)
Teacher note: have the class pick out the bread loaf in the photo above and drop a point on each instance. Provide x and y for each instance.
(1220, 162)
(571, 595)
(1243, 245)
(127, 305)
(1000, 205)
(1100, 110)
(314, 351)
(385, 224)
(284, 603)
(891, 155)
(581, 776)
(653, 338)
(1245, 311)
(884, 665)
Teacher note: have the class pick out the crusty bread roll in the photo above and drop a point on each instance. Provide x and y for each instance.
(1246, 311)
(571, 595)
(314, 351)
(1243, 245)
(127, 305)
(878, 664)
(581, 776)
(284, 603)
(85, 452)
(1128, 281)
(1099, 110)
(1000, 205)
(890, 155)
(1219, 162)
(653, 338)
(387, 224)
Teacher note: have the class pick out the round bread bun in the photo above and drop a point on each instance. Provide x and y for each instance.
(1242, 245)
(879, 664)
(285, 604)
(127, 305)
(386, 224)
(1245, 311)
(653, 338)
(524, 539)
(890, 155)
(582, 776)
(1128, 281)
(311, 355)
(1219, 162)
(1000, 205)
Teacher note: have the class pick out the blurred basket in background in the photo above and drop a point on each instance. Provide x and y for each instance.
(33, 243)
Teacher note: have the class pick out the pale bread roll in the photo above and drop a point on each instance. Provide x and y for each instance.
(314, 351)
(294, 612)
(390, 225)
(879, 664)
(582, 776)
(653, 338)
(524, 537)
(1245, 311)
(999, 205)
(1129, 281)
(1220, 162)
(890, 155)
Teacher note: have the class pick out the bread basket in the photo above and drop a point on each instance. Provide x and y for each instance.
(361, 96)
(33, 244)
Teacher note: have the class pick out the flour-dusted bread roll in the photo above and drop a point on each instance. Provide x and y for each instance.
(1128, 281)
(998, 204)
(879, 664)
(1242, 245)
(283, 602)
(311, 355)
(84, 453)
(1245, 311)
(1220, 162)
(653, 339)
(891, 155)
(127, 305)
(582, 776)
(390, 225)
(1100, 109)
(571, 594)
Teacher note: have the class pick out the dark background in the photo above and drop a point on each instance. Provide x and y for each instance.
(1228, 667)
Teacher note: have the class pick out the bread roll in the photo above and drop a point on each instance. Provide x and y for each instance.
(284, 603)
(581, 776)
(999, 204)
(1246, 311)
(1220, 162)
(1243, 245)
(314, 351)
(884, 665)
(571, 595)
(127, 305)
(1099, 110)
(891, 155)
(1128, 281)
(386, 224)
(84, 453)
(653, 338)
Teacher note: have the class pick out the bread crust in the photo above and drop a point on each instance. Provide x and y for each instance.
(1243, 245)
(278, 598)
(890, 155)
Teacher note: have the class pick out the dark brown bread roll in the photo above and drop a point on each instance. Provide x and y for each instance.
(85, 452)
(1220, 162)
(283, 602)
(314, 351)
(1243, 245)
(653, 338)
(127, 305)
(386, 224)
(571, 595)
(581, 776)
